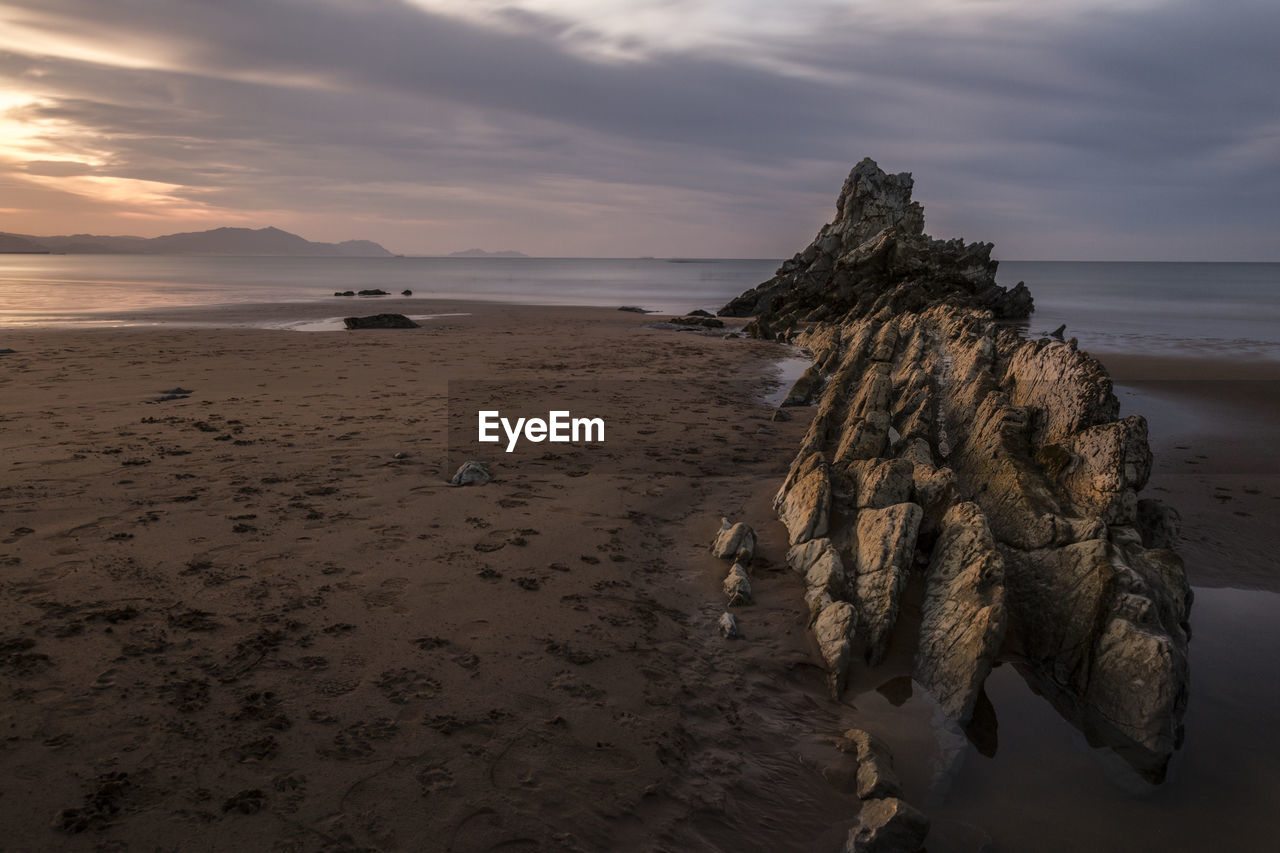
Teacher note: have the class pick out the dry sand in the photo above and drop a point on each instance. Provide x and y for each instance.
(237, 621)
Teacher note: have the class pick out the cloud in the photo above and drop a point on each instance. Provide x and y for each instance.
(58, 168)
(1144, 129)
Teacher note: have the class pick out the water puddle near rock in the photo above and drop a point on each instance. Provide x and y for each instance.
(1045, 788)
(787, 370)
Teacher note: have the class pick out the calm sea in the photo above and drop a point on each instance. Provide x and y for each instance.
(1228, 309)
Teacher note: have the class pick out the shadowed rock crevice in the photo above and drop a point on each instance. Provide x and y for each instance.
(995, 468)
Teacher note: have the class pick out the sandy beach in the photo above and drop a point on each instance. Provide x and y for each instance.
(237, 620)
(257, 616)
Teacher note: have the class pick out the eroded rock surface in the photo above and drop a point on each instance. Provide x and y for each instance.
(834, 629)
(963, 619)
(949, 451)
(876, 778)
(888, 825)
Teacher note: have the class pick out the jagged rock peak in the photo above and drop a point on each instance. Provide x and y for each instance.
(874, 256)
(871, 201)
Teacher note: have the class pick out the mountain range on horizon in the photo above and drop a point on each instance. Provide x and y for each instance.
(269, 241)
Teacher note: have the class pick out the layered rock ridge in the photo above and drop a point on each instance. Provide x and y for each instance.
(949, 451)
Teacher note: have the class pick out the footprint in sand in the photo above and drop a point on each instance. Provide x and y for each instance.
(533, 757)
(434, 778)
(402, 685)
(388, 593)
(17, 534)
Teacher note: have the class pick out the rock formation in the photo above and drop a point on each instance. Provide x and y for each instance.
(875, 255)
(380, 321)
(947, 450)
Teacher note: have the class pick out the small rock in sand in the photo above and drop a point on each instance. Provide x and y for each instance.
(737, 586)
(735, 542)
(470, 472)
(729, 627)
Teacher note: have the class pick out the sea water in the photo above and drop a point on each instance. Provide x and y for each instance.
(1213, 309)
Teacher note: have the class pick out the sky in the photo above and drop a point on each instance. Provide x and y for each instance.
(1079, 129)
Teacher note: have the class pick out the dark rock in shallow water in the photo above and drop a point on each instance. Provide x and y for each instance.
(707, 322)
(888, 825)
(344, 293)
(924, 401)
(634, 309)
(372, 292)
(380, 321)
(406, 293)
(7, 351)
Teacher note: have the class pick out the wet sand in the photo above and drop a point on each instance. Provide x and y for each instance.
(1213, 435)
(236, 620)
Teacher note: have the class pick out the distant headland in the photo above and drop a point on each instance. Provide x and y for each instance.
(219, 241)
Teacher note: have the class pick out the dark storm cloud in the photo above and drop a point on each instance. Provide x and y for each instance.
(1112, 133)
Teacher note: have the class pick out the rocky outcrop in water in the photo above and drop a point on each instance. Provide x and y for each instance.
(380, 321)
(875, 256)
(948, 451)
